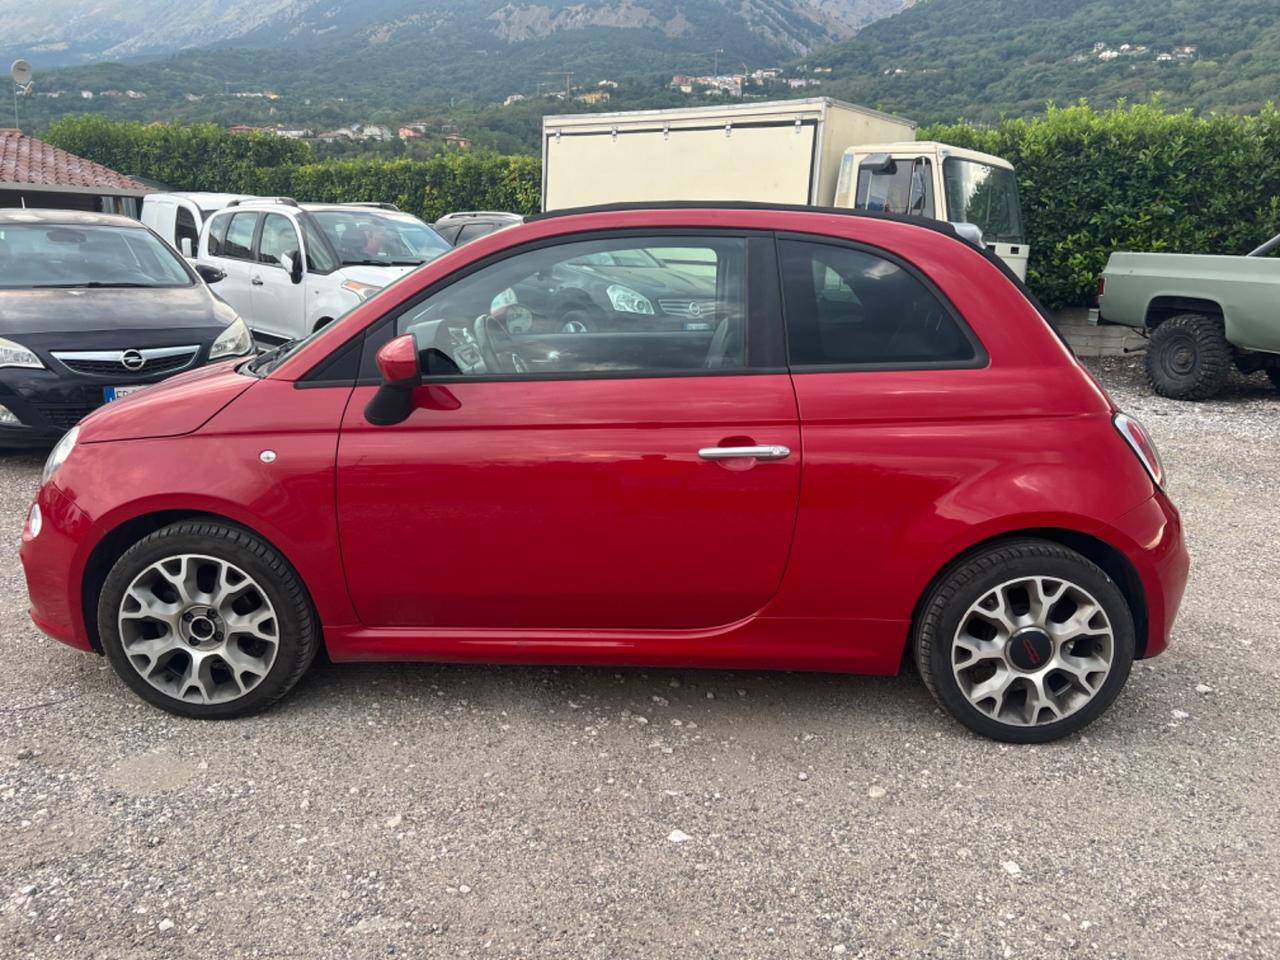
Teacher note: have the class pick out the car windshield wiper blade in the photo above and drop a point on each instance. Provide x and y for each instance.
(262, 361)
(382, 263)
(92, 284)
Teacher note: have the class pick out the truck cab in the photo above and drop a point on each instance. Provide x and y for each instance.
(938, 181)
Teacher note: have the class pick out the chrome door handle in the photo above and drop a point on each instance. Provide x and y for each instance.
(256, 281)
(767, 452)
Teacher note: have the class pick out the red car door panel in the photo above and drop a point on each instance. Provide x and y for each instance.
(569, 504)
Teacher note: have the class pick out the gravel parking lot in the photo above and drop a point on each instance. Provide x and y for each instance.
(445, 811)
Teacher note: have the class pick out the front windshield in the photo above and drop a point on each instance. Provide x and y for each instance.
(380, 239)
(986, 196)
(37, 255)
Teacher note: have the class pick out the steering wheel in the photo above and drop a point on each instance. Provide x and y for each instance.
(497, 349)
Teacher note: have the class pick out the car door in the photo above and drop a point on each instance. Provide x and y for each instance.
(229, 247)
(638, 480)
(279, 304)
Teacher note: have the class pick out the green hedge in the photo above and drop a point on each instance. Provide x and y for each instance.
(1132, 177)
(207, 157)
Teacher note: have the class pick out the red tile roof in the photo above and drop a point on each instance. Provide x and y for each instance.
(27, 160)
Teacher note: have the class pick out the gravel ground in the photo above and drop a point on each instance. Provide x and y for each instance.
(445, 811)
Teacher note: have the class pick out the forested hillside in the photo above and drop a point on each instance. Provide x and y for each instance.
(978, 59)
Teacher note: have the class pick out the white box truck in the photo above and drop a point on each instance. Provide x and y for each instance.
(816, 152)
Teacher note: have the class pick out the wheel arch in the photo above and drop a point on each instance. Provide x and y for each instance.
(1108, 557)
(1164, 307)
(112, 546)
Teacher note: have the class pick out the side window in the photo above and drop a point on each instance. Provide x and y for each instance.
(847, 307)
(639, 306)
(473, 231)
(278, 238)
(239, 241)
(901, 186)
(185, 229)
(217, 229)
(319, 259)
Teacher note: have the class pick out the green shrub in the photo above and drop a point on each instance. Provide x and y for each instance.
(207, 157)
(1133, 178)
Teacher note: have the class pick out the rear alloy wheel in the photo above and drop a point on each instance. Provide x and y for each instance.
(205, 620)
(1025, 642)
(1188, 357)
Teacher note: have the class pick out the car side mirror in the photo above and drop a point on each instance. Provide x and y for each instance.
(292, 263)
(399, 367)
(970, 232)
(210, 274)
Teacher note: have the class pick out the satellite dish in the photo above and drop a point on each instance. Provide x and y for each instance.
(21, 72)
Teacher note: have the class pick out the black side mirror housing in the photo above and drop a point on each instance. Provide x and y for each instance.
(292, 263)
(210, 274)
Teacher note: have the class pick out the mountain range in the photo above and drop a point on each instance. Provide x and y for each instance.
(64, 32)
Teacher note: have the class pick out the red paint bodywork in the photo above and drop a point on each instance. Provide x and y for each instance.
(573, 522)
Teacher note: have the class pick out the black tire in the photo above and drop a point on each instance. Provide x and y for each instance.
(295, 624)
(973, 577)
(1273, 374)
(1188, 357)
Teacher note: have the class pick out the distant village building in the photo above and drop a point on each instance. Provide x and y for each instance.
(240, 128)
(408, 133)
(456, 141)
(608, 84)
(335, 136)
(86, 94)
(595, 97)
(514, 98)
(135, 95)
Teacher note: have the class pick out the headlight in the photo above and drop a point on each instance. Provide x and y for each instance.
(58, 456)
(626, 300)
(362, 290)
(235, 341)
(16, 355)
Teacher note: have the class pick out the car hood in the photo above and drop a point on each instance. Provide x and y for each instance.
(84, 310)
(179, 405)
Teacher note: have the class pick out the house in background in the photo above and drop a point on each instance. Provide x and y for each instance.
(36, 174)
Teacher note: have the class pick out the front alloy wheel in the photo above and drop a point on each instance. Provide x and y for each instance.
(203, 619)
(199, 629)
(1025, 641)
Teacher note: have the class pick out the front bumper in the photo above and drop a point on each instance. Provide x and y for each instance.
(52, 566)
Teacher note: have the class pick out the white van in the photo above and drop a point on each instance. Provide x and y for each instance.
(291, 268)
(179, 217)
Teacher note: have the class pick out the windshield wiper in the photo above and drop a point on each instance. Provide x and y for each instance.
(92, 284)
(259, 365)
(382, 263)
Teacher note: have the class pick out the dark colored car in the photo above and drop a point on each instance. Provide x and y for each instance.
(882, 450)
(94, 307)
(461, 228)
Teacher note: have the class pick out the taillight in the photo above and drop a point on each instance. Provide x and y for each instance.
(1102, 287)
(1137, 437)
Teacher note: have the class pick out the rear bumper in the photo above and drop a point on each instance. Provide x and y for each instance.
(1159, 555)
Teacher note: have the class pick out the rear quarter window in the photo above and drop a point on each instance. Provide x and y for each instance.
(849, 307)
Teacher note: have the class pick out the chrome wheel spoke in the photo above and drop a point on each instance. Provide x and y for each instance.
(1033, 650)
(199, 629)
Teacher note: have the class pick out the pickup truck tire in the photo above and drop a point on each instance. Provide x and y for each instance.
(1189, 357)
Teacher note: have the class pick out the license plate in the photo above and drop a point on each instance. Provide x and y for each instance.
(119, 393)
